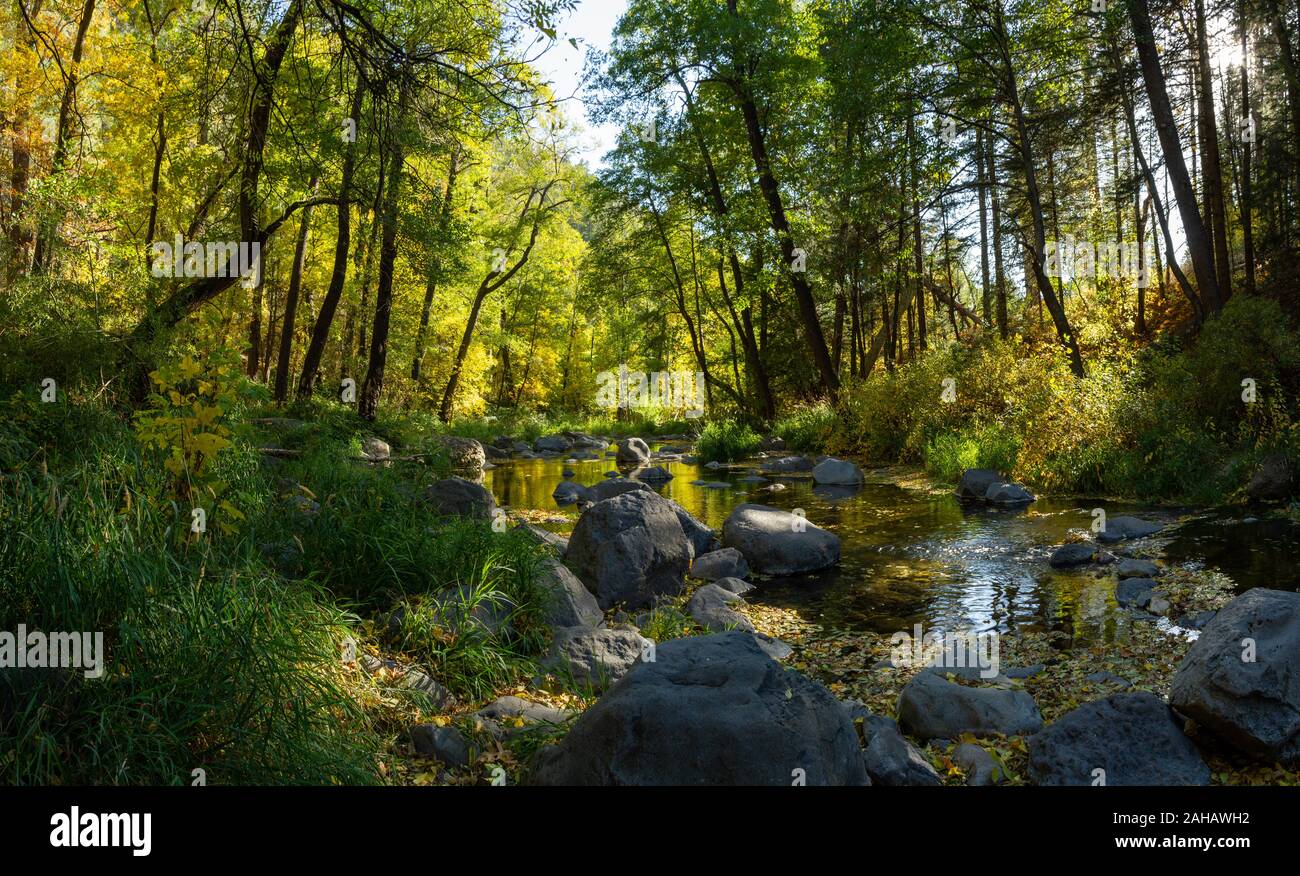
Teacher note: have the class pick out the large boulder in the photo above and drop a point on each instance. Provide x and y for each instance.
(837, 472)
(1133, 737)
(719, 564)
(457, 497)
(1241, 678)
(595, 657)
(569, 603)
(932, 707)
(776, 542)
(1121, 528)
(708, 711)
(632, 451)
(465, 455)
(975, 483)
(630, 549)
(1272, 480)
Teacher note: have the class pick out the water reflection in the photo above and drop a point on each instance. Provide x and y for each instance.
(911, 557)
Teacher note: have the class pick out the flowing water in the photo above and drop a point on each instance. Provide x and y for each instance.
(913, 556)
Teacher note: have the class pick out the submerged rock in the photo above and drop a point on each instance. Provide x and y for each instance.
(1121, 528)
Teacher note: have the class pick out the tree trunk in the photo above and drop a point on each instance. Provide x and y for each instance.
(431, 282)
(338, 276)
(1198, 239)
(285, 358)
(373, 386)
(1211, 161)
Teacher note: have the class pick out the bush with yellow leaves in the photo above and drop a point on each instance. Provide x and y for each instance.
(184, 423)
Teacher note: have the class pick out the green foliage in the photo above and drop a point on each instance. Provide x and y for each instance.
(185, 424)
(1168, 424)
(809, 428)
(726, 441)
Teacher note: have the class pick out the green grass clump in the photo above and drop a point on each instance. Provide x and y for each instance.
(726, 441)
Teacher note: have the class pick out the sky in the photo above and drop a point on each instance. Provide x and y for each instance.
(591, 25)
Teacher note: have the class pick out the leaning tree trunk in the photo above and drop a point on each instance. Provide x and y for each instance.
(1198, 238)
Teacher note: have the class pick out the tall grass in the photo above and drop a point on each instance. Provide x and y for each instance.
(223, 652)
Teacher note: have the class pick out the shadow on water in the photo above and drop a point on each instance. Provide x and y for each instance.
(911, 557)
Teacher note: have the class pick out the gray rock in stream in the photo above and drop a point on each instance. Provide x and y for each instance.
(837, 472)
(1068, 556)
(1134, 738)
(1135, 568)
(1121, 528)
(723, 563)
(975, 483)
(632, 451)
(776, 542)
(630, 549)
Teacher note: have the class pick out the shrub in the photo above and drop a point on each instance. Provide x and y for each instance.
(726, 441)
